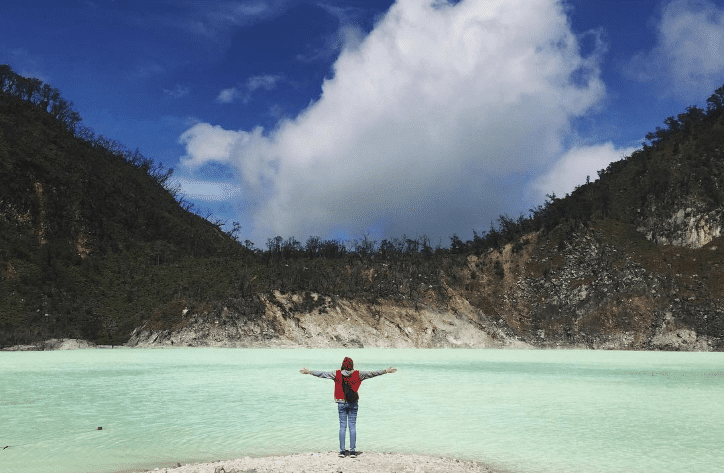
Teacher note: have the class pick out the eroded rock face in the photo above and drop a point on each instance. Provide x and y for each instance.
(332, 323)
(591, 296)
(55, 344)
(692, 227)
(670, 335)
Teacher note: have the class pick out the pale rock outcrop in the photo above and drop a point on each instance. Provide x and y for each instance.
(691, 227)
(339, 323)
(669, 336)
(54, 344)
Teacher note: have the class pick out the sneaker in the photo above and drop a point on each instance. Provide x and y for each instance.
(343, 453)
(354, 453)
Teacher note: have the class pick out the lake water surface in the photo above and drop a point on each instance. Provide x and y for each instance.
(523, 410)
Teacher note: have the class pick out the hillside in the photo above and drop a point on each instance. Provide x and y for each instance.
(87, 229)
(94, 245)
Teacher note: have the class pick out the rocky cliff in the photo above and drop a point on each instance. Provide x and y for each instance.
(691, 225)
(287, 321)
(605, 287)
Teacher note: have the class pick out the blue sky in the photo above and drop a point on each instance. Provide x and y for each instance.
(344, 118)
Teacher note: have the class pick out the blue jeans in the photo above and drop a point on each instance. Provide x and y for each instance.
(347, 414)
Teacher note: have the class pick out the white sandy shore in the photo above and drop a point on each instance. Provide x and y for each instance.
(330, 462)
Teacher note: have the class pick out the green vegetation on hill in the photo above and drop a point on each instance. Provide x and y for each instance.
(94, 242)
(88, 230)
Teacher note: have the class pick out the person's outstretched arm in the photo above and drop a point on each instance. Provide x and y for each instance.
(372, 374)
(318, 374)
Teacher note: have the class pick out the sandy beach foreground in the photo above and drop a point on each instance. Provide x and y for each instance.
(330, 462)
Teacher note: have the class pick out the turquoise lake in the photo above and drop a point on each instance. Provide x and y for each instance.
(525, 411)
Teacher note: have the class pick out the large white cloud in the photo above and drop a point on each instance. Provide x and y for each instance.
(422, 129)
(689, 55)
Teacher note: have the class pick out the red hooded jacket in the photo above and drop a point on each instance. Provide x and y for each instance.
(354, 382)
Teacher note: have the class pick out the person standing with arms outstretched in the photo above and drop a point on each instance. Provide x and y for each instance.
(346, 383)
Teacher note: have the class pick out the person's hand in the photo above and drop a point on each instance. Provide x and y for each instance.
(304, 371)
(391, 369)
